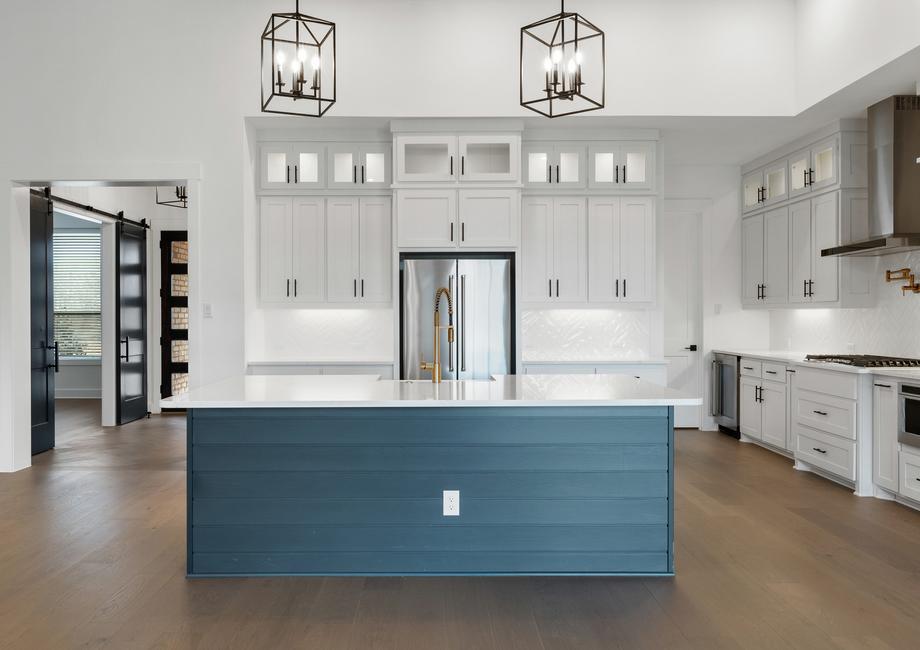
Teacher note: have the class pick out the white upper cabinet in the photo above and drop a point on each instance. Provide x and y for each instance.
(426, 218)
(486, 158)
(426, 158)
(358, 249)
(752, 190)
(358, 166)
(449, 158)
(814, 226)
(621, 249)
(765, 258)
(622, 166)
(775, 183)
(818, 166)
(556, 165)
(489, 217)
(292, 166)
(291, 249)
(554, 237)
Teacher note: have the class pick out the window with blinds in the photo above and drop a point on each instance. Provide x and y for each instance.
(77, 292)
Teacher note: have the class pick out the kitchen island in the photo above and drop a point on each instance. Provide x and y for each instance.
(321, 475)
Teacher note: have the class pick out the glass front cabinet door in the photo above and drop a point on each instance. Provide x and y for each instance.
(356, 166)
(287, 166)
(486, 158)
(560, 165)
(752, 190)
(622, 166)
(426, 158)
(775, 184)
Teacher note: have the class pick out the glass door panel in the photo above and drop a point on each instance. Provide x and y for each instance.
(374, 165)
(638, 165)
(427, 158)
(798, 173)
(775, 184)
(824, 159)
(537, 166)
(306, 168)
(276, 166)
(752, 188)
(489, 157)
(604, 172)
(570, 167)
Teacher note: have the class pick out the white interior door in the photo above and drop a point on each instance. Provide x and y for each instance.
(681, 301)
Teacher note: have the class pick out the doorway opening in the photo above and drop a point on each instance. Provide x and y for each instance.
(94, 265)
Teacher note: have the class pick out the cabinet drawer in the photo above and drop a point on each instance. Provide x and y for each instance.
(774, 372)
(827, 452)
(910, 475)
(840, 384)
(826, 413)
(751, 368)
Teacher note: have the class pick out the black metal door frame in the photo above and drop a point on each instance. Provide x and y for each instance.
(168, 334)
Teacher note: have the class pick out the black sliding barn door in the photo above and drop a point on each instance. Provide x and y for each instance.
(131, 322)
(44, 349)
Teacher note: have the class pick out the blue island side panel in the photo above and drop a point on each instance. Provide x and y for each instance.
(545, 490)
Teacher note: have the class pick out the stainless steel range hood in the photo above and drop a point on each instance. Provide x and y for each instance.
(894, 180)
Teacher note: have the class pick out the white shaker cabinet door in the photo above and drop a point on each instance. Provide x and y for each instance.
(426, 218)
(374, 245)
(775, 256)
(750, 411)
(751, 259)
(342, 227)
(275, 250)
(800, 251)
(570, 269)
(825, 275)
(488, 218)
(637, 249)
(308, 237)
(604, 249)
(537, 249)
(885, 434)
(773, 410)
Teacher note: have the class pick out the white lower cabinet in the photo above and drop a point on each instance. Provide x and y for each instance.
(553, 250)
(292, 249)
(764, 412)
(358, 249)
(885, 434)
(910, 473)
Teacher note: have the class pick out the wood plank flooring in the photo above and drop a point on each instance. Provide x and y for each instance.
(92, 552)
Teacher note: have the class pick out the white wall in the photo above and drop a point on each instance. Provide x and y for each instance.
(889, 328)
(840, 41)
(79, 379)
(725, 324)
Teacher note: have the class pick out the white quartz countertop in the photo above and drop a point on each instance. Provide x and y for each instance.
(798, 359)
(312, 391)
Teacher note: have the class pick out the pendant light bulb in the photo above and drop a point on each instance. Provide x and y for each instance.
(557, 55)
(315, 62)
(547, 64)
(301, 54)
(572, 65)
(279, 58)
(579, 57)
(295, 66)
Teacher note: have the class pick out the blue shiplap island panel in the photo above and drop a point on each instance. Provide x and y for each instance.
(543, 490)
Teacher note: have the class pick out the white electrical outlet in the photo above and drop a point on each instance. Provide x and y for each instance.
(206, 310)
(451, 503)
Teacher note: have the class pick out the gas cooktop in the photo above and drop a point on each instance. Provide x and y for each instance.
(865, 360)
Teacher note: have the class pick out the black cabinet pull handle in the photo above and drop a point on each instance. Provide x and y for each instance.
(288, 290)
(557, 174)
(624, 173)
(618, 173)
(362, 174)
(747, 367)
(452, 231)
(811, 176)
(811, 288)
(288, 173)
(804, 178)
(550, 287)
(618, 288)
(770, 372)
(820, 413)
(296, 174)
(355, 290)
(884, 385)
(557, 287)
(354, 174)
(295, 287)
(451, 165)
(820, 451)
(624, 287)
(549, 173)
(462, 231)
(362, 287)
(462, 165)
(804, 288)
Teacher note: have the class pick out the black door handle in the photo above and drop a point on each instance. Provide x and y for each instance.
(127, 344)
(57, 357)
(691, 347)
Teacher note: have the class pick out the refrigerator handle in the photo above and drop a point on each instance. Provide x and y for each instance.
(450, 344)
(463, 324)
(715, 409)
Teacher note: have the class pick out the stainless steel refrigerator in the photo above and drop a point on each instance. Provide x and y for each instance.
(482, 288)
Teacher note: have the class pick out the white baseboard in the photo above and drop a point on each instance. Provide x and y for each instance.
(78, 393)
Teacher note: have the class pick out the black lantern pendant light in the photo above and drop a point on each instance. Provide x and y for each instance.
(562, 65)
(298, 64)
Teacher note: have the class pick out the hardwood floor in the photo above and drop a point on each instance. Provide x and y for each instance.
(92, 551)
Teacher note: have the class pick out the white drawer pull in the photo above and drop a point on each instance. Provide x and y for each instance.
(824, 451)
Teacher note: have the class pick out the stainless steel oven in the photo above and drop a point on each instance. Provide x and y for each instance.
(909, 418)
(723, 397)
